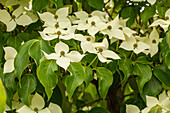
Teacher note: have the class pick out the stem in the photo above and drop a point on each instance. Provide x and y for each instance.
(117, 46)
(131, 55)
(93, 61)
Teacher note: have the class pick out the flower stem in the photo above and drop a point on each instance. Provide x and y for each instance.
(93, 61)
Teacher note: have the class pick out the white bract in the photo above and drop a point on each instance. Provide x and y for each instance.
(103, 52)
(24, 3)
(163, 23)
(10, 54)
(93, 25)
(18, 17)
(36, 106)
(86, 43)
(153, 42)
(132, 44)
(62, 57)
(59, 18)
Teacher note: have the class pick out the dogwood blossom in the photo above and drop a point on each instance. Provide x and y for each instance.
(24, 3)
(10, 54)
(36, 106)
(103, 52)
(163, 23)
(62, 57)
(153, 42)
(60, 18)
(132, 44)
(18, 17)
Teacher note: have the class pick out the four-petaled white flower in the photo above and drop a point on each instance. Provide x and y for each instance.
(36, 106)
(18, 17)
(62, 57)
(153, 42)
(10, 54)
(59, 18)
(24, 3)
(103, 52)
(132, 44)
(93, 25)
(163, 23)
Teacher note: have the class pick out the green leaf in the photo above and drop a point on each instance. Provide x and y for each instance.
(156, 109)
(105, 79)
(2, 97)
(75, 79)
(37, 5)
(161, 11)
(98, 4)
(125, 65)
(167, 60)
(46, 75)
(131, 13)
(168, 37)
(150, 89)
(144, 73)
(98, 110)
(147, 13)
(143, 60)
(22, 59)
(58, 3)
(163, 74)
(35, 51)
(14, 42)
(88, 75)
(28, 86)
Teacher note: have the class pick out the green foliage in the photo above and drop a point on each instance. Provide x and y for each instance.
(3, 97)
(38, 5)
(97, 4)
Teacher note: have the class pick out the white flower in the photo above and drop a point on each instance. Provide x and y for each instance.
(18, 17)
(36, 106)
(93, 25)
(10, 54)
(83, 16)
(54, 108)
(132, 109)
(86, 43)
(63, 57)
(132, 44)
(151, 1)
(24, 3)
(153, 42)
(51, 33)
(113, 30)
(163, 23)
(103, 53)
(59, 18)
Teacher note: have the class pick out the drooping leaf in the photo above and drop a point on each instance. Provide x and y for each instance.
(167, 60)
(28, 86)
(46, 75)
(144, 73)
(37, 5)
(2, 97)
(14, 42)
(88, 75)
(161, 11)
(98, 110)
(105, 79)
(98, 4)
(125, 65)
(22, 59)
(147, 13)
(75, 79)
(58, 3)
(163, 74)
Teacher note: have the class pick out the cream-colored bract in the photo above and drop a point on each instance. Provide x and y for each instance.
(63, 57)
(10, 54)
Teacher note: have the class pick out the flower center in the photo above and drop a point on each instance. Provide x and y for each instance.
(93, 23)
(36, 109)
(100, 49)
(56, 25)
(135, 45)
(62, 53)
(120, 28)
(56, 16)
(134, 34)
(13, 16)
(153, 41)
(166, 18)
(89, 15)
(109, 27)
(88, 38)
(58, 32)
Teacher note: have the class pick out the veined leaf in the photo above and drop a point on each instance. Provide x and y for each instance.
(2, 97)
